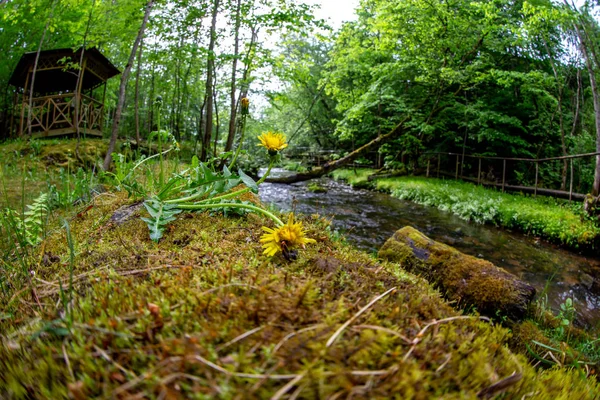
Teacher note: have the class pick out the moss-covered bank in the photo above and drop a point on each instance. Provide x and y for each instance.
(553, 220)
(203, 314)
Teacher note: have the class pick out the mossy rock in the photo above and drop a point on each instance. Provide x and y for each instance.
(364, 185)
(316, 188)
(470, 281)
(64, 155)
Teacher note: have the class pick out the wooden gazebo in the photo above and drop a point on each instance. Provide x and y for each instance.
(63, 97)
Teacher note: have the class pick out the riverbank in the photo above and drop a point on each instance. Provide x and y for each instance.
(550, 219)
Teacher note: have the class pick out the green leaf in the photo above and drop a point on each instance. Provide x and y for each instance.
(161, 214)
(248, 181)
(226, 172)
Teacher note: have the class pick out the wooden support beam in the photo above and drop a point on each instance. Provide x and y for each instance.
(428, 162)
(537, 169)
(503, 175)
(12, 114)
(571, 183)
(479, 173)
(438, 167)
(524, 189)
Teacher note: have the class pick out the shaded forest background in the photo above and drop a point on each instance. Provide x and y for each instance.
(494, 78)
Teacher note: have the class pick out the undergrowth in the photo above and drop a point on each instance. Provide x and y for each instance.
(99, 309)
(202, 314)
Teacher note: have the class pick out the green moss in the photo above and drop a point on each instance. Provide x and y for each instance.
(147, 318)
(203, 314)
(316, 188)
(468, 280)
(353, 176)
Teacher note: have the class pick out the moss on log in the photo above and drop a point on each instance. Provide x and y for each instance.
(468, 280)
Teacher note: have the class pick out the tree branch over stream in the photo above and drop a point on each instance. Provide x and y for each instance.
(332, 165)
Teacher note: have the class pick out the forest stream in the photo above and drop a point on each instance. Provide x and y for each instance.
(367, 219)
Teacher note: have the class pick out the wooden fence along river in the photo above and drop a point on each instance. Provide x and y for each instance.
(528, 189)
(316, 157)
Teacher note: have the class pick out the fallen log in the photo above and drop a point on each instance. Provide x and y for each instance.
(470, 281)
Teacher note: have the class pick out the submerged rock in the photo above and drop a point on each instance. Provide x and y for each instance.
(470, 281)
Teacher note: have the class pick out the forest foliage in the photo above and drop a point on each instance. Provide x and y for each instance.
(506, 78)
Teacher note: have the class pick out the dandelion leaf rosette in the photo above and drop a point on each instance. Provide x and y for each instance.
(160, 215)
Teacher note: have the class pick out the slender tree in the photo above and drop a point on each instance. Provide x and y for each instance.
(233, 103)
(123, 86)
(137, 94)
(35, 65)
(210, 67)
(588, 52)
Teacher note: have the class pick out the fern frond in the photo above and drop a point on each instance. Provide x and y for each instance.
(35, 219)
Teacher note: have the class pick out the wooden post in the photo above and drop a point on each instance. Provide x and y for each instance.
(536, 179)
(103, 110)
(457, 163)
(438, 168)
(503, 174)
(428, 162)
(571, 183)
(78, 116)
(23, 102)
(479, 173)
(12, 113)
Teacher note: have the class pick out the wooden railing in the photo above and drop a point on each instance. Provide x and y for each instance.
(481, 178)
(55, 112)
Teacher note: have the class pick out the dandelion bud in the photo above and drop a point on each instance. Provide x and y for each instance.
(245, 102)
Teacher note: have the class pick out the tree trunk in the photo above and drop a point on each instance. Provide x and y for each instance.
(233, 103)
(35, 64)
(210, 65)
(332, 165)
(596, 100)
(245, 86)
(123, 86)
(137, 94)
(80, 74)
(216, 115)
(559, 89)
(151, 99)
(586, 47)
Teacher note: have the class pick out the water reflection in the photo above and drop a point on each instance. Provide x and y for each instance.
(368, 219)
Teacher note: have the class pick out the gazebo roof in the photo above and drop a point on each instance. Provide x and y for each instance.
(51, 75)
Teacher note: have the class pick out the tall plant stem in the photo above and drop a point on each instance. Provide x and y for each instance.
(237, 151)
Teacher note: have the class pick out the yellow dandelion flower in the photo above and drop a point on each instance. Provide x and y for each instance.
(272, 141)
(287, 236)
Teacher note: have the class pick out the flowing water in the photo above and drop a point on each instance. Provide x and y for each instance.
(367, 219)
